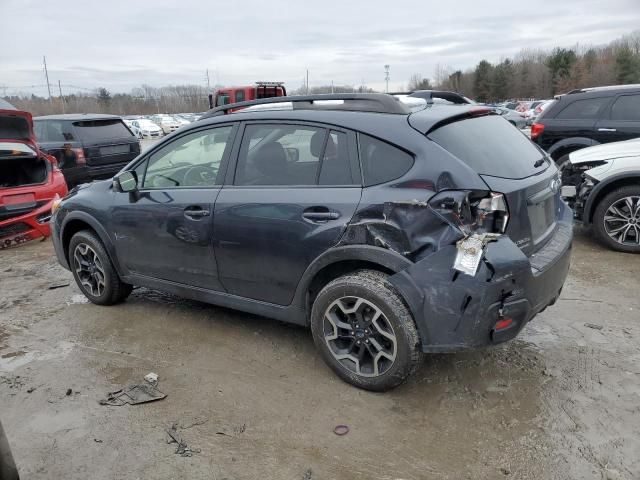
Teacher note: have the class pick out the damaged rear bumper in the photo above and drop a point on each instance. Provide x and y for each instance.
(24, 228)
(454, 311)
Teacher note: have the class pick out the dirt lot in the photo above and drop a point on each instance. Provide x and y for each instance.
(562, 401)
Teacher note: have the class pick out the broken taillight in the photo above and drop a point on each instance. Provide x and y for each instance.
(472, 211)
(502, 324)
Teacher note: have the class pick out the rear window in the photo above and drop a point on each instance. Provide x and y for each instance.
(101, 129)
(53, 131)
(491, 146)
(583, 109)
(14, 127)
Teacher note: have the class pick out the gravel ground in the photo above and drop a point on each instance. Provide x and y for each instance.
(252, 399)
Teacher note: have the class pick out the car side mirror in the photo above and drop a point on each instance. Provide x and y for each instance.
(126, 181)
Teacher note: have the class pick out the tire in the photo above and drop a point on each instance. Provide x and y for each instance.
(626, 240)
(93, 271)
(377, 306)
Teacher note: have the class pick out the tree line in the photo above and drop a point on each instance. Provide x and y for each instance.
(529, 74)
(543, 74)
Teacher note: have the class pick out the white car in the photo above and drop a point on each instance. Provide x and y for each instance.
(181, 120)
(147, 128)
(602, 184)
(166, 122)
(134, 129)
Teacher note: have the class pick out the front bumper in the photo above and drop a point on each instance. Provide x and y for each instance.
(454, 311)
(24, 228)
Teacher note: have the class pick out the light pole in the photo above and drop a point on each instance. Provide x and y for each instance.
(386, 76)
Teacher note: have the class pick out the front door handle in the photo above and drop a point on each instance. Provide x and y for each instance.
(196, 212)
(607, 130)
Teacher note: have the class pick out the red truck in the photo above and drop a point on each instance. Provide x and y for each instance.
(224, 96)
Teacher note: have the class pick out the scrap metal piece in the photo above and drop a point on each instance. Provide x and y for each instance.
(470, 251)
(133, 395)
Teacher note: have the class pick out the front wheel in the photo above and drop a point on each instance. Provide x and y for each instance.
(365, 332)
(616, 219)
(93, 270)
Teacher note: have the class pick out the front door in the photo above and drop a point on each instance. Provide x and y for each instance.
(164, 230)
(295, 189)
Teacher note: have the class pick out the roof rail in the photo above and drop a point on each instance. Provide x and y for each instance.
(604, 88)
(354, 102)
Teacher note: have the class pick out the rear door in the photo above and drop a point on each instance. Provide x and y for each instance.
(164, 230)
(622, 120)
(289, 198)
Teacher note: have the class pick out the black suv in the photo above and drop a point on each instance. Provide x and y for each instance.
(586, 117)
(87, 146)
(389, 233)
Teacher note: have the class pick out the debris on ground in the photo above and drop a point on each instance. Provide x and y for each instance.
(593, 325)
(182, 449)
(308, 475)
(69, 392)
(31, 389)
(151, 378)
(58, 285)
(97, 440)
(341, 430)
(133, 395)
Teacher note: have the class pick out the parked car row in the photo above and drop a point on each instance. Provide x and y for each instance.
(593, 135)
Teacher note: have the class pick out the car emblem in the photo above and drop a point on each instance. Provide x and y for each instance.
(554, 185)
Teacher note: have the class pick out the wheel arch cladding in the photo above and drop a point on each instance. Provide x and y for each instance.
(603, 188)
(78, 221)
(569, 145)
(346, 259)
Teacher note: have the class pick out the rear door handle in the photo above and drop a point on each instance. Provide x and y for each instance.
(607, 130)
(316, 215)
(195, 212)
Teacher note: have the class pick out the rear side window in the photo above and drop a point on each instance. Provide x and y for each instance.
(53, 131)
(91, 130)
(626, 108)
(278, 155)
(583, 109)
(490, 146)
(382, 162)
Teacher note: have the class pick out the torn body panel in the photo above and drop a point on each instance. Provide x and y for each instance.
(454, 311)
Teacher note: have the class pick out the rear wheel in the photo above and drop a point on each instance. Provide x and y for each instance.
(93, 270)
(616, 219)
(365, 332)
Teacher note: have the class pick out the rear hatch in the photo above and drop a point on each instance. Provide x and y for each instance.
(509, 163)
(106, 141)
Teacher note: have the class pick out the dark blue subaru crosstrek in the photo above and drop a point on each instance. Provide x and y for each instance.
(390, 233)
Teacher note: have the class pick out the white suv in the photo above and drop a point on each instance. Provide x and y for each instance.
(603, 185)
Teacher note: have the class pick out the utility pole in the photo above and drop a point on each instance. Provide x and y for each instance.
(307, 81)
(208, 82)
(386, 76)
(331, 86)
(46, 74)
(61, 97)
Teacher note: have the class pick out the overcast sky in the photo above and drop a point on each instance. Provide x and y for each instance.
(120, 44)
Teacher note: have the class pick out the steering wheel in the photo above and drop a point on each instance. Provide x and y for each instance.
(200, 176)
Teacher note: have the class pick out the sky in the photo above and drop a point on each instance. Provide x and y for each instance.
(121, 44)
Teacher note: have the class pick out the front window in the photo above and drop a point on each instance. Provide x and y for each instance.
(189, 161)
